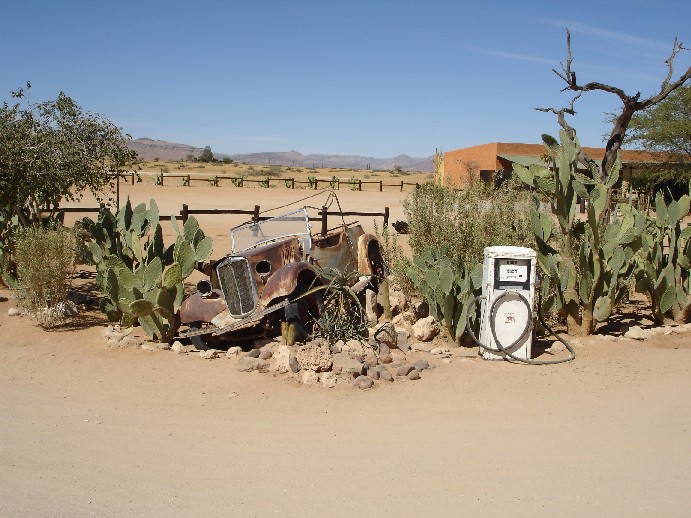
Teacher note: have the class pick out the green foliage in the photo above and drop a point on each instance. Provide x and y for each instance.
(465, 222)
(238, 181)
(333, 182)
(142, 279)
(447, 286)
(664, 261)
(45, 261)
(342, 315)
(588, 266)
(52, 151)
(354, 183)
(312, 181)
(206, 155)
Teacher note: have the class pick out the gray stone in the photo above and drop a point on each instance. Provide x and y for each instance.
(557, 347)
(346, 364)
(402, 339)
(294, 364)
(414, 375)
(177, 347)
(354, 347)
(335, 348)
(249, 363)
(209, 354)
(426, 329)
(254, 353)
(363, 382)
(148, 346)
(131, 341)
(315, 356)
(421, 365)
(385, 375)
(233, 351)
(310, 377)
(371, 360)
(637, 333)
(404, 370)
(385, 354)
(373, 373)
(265, 354)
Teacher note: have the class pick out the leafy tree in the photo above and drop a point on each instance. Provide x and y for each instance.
(207, 155)
(54, 151)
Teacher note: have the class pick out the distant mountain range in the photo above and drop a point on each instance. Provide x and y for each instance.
(149, 149)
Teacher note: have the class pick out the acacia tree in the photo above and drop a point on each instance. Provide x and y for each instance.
(54, 151)
(631, 104)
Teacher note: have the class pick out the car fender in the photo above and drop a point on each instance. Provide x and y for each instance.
(285, 281)
(370, 261)
(202, 308)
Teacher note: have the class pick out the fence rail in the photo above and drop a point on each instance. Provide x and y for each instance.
(186, 212)
(290, 183)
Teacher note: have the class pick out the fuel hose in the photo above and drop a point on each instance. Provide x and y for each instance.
(504, 349)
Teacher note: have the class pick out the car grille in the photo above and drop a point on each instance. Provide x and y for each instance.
(238, 288)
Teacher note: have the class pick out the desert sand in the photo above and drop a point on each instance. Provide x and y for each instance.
(91, 430)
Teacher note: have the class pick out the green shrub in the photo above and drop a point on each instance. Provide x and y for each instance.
(45, 261)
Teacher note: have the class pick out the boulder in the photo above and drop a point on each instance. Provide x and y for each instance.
(347, 365)
(421, 365)
(426, 329)
(385, 375)
(281, 359)
(414, 375)
(249, 363)
(178, 347)
(309, 377)
(363, 382)
(209, 354)
(328, 379)
(404, 370)
(265, 353)
(315, 356)
(254, 353)
(233, 351)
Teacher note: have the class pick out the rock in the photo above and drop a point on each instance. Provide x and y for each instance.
(385, 375)
(233, 351)
(414, 375)
(421, 365)
(310, 377)
(404, 370)
(425, 329)
(281, 359)
(371, 307)
(385, 354)
(265, 354)
(371, 360)
(294, 364)
(557, 347)
(398, 356)
(328, 379)
(254, 353)
(346, 364)
(441, 351)
(407, 318)
(420, 309)
(385, 335)
(209, 354)
(354, 347)
(249, 363)
(373, 373)
(3, 299)
(131, 341)
(148, 346)
(177, 347)
(403, 339)
(636, 333)
(422, 347)
(608, 338)
(363, 382)
(335, 348)
(233, 395)
(315, 356)
(397, 301)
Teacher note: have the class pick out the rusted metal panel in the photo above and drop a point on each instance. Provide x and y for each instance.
(338, 250)
(285, 281)
(198, 308)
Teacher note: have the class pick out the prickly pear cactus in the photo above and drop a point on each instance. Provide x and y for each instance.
(587, 265)
(448, 287)
(664, 260)
(142, 279)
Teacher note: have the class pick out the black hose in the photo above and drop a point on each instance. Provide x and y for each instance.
(504, 350)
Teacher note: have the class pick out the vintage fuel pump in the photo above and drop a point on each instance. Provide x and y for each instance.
(506, 317)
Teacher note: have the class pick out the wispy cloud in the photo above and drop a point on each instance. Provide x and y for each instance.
(607, 34)
(509, 55)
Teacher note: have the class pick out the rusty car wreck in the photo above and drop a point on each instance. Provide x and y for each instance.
(272, 275)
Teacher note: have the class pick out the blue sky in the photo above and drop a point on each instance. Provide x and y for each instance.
(375, 78)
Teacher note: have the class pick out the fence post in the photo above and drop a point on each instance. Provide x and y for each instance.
(189, 181)
(386, 217)
(255, 215)
(401, 185)
(338, 184)
(324, 214)
(184, 213)
(359, 185)
(381, 186)
(161, 177)
(316, 184)
(132, 178)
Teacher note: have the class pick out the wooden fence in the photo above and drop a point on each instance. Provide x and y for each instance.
(289, 183)
(255, 214)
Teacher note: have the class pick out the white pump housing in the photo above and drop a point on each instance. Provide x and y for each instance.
(509, 274)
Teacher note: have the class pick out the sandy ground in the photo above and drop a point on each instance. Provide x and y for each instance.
(89, 430)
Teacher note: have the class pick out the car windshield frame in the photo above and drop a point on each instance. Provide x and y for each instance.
(255, 234)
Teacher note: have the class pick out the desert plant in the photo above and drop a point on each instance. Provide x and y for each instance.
(664, 261)
(312, 181)
(447, 286)
(589, 266)
(45, 260)
(342, 316)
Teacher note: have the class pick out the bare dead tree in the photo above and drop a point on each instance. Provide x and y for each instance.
(630, 105)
